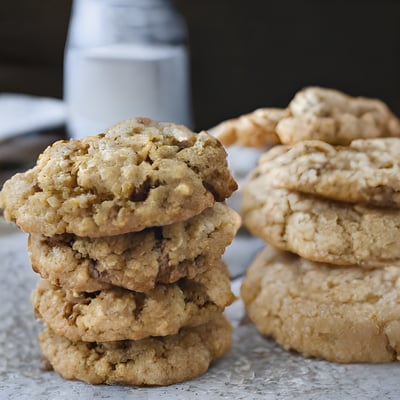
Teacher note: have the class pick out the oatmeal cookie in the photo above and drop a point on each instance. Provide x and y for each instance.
(338, 314)
(120, 314)
(137, 174)
(256, 129)
(147, 362)
(366, 171)
(139, 260)
(335, 118)
(318, 229)
(314, 113)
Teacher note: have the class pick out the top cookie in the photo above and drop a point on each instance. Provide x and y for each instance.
(314, 113)
(366, 171)
(256, 129)
(137, 174)
(335, 118)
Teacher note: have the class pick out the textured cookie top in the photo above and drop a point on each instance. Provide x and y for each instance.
(314, 113)
(366, 171)
(256, 129)
(138, 260)
(137, 174)
(335, 118)
(340, 314)
(153, 361)
(318, 229)
(119, 314)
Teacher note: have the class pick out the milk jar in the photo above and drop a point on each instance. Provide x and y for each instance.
(125, 58)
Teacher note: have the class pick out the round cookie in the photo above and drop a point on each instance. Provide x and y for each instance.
(137, 174)
(148, 362)
(314, 113)
(256, 129)
(338, 314)
(318, 229)
(366, 171)
(138, 260)
(119, 314)
(335, 118)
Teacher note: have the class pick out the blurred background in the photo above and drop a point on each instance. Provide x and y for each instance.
(243, 54)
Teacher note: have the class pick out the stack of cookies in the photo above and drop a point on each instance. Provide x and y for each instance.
(127, 230)
(327, 202)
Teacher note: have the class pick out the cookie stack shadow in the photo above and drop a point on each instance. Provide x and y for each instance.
(127, 230)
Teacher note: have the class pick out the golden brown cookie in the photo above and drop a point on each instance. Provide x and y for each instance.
(336, 118)
(314, 113)
(138, 260)
(256, 129)
(318, 229)
(148, 362)
(339, 314)
(366, 171)
(120, 314)
(137, 174)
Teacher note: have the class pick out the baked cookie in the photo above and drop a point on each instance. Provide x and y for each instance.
(318, 229)
(137, 174)
(139, 260)
(148, 362)
(339, 314)
(366, 171)
(335, 118)
(256, 129)
(119, 314)
(314, 113)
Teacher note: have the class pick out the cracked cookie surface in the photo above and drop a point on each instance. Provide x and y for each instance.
(314, 113)
(152, 361)
(335, 313)
(336, 118)
(366, 171)
(255, 129)
(137, 174)
(318, 229)
(139, 260)
(119, 314)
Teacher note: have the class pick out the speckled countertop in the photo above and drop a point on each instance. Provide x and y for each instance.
(255, 368)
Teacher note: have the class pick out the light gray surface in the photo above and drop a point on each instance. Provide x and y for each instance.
(255, 368)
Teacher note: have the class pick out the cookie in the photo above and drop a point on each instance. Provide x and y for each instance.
(314, 113)
(137, 174)
(119, 314)
(335, 118)
(139, 260)
(366, 171)
(318, 229)
(255, 129)
(338, 314)
(148, 362)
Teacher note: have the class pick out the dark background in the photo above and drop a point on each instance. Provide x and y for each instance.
(244, 53)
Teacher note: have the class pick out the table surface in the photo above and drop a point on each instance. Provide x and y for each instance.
(255, 367)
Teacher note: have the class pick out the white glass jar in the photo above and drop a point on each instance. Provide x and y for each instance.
(125, 58)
